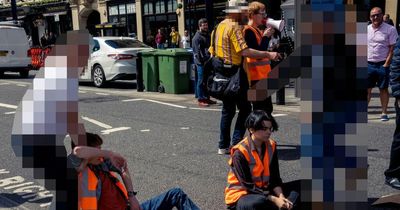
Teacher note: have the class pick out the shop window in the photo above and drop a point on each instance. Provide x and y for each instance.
(172, 5)
(148, 8)
(113, 19)
(160, 6)
(122, 9)
(113, 10)
(130, 8)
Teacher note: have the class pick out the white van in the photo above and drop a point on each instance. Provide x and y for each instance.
(14, 50)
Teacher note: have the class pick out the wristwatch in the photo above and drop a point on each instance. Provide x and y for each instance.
(131, 193)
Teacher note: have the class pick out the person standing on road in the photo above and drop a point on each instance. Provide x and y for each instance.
(174, 38)
(392, 174)
(254, 180)
(229, 48)
(99, 187)
(258, 69)
(200, 44)
(381, 40)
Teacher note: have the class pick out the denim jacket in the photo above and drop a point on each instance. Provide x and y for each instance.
(395, 71)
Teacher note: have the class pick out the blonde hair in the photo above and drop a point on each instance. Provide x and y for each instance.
(255, 7)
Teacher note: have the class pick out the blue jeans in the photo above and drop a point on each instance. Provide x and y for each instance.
(228, 113)
(160, 46)
(172, 198)
(200, 92)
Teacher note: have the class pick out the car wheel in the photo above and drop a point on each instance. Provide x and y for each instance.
(98, 76)
(24, 74)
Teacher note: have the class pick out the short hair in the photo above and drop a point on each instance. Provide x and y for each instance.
(92, 140)
(256, 118)
(255, 7)
(202, 21)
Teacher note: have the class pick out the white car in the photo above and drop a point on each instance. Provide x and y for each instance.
(14, 50)
(113, 58)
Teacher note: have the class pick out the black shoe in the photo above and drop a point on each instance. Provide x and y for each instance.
(393, 182)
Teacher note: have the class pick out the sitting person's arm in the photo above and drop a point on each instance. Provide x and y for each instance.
(126, 177)
(87, 153)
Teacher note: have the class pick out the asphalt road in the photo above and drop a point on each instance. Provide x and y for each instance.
(167, 144)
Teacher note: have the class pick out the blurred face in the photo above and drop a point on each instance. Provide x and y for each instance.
(204, 27)
(259, 17)
(173, 29)
(263, 134)
(376, 17)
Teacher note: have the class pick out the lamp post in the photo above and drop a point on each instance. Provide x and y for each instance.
(14, 10)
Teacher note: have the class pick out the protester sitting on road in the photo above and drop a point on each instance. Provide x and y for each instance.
(99, 187)
(254, 180)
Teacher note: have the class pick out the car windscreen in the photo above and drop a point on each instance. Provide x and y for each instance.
(118, 43)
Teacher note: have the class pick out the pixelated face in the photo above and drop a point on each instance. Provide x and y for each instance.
(79, 47)
(376, 16)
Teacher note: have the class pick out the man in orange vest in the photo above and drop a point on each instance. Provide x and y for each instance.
(254, 181)
(99, 187)
(258, 69)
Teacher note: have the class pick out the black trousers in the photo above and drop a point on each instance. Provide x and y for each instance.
(394, 166)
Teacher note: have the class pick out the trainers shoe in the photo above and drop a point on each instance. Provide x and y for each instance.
(223, 151)
(384, 118)
(393, 182)
(203, 103)
(209, 101)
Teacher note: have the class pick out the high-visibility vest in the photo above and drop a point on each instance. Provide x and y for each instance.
(259, 169)
(257, 69)
(89, 189)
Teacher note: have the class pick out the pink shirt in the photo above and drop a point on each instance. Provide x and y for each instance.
(379, 41)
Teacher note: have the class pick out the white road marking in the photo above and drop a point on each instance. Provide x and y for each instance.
(8, 106)
(168, 104)
(103, 125)
(103, 94)
(9, 113)
(205, 109)
(44, 205)
(4, 83)
(115, 130)
(145, 130)
(81, 91)
(21, 85)
(185, 128)
(279, 115)
(133, 99)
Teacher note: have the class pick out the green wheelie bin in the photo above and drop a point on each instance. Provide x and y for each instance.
(174, 70)
(150, 70)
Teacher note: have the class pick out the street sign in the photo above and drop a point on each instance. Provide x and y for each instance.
(56, 18)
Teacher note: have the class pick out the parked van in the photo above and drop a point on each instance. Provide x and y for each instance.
(14, 50)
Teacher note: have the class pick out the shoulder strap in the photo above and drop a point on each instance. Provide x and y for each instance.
(213, 38)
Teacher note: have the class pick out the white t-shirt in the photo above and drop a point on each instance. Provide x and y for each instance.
(185, 41)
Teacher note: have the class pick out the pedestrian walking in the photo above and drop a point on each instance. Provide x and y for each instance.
(381, 40)
(185, 40)
(392, 174)
(258, 69)
(174, 37)
(229, 48)
(99, 187)
(160, 39)
(254, 181)
(200, 44)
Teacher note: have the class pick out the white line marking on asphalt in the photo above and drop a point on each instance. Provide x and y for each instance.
(103, 125)
(21, 85)
(81, 91)
(18, 185)
(205, 109)
(115, 130)
(279, 115)
(3, 171)
(9, 113)
(4, 83)
(8, 106)
(168, 104)
(44, 205)
(133, 99)
(185, 128)
(145, 130)
(103, 94)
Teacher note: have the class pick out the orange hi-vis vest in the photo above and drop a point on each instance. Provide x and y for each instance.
(257, 69)
(89, 189)
(259, 169)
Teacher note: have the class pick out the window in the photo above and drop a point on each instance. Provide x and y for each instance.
(127, 43)
(172, 5)
(160, 6)
(113, 10)
(96, 46)
(122, 9)
(148, 8)
(130, 8)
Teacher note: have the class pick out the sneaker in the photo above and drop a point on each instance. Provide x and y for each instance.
(203, 103)
(384, 118)
(209, 101)
(393, 182)
(223, 151)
